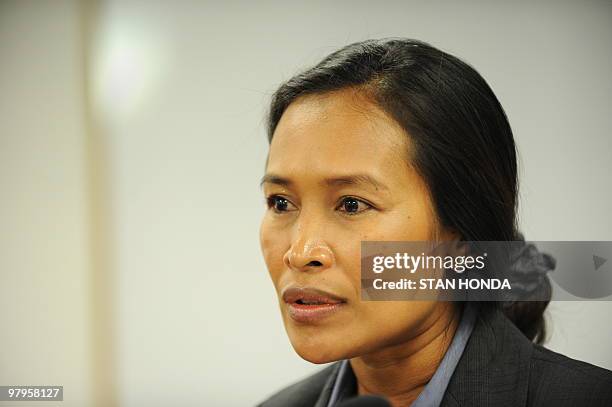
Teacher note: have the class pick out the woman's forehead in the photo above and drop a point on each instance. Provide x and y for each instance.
(341, 130)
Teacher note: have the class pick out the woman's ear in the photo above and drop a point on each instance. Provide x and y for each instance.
(449, 235)
(452, 239)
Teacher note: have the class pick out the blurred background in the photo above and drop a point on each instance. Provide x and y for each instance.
(132, 143)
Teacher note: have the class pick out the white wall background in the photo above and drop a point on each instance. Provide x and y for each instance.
(167, 164)
(45, 310)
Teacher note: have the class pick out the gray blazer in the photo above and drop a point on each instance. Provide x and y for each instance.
(499, 367)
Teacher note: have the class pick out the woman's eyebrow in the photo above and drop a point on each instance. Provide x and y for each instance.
(275, 179)
(354, 179)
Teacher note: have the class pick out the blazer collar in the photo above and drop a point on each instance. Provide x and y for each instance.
(494, 368)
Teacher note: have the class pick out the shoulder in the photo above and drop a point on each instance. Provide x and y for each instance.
(303, 393)
(500, 366)
(565, 381)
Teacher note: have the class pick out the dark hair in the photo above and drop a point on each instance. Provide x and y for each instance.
(462, 141)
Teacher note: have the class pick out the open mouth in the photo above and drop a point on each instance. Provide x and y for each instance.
(313, 313)
(312, 302)
(310, 296)
(311, 305)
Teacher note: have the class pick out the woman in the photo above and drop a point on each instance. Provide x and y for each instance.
(395, 140)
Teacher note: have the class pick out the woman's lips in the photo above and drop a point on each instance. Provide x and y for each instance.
(309, 305)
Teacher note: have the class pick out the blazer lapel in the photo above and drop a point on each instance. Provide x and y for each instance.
(325, 394)
(494, 367)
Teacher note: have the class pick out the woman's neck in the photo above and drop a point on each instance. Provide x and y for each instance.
(401, 371)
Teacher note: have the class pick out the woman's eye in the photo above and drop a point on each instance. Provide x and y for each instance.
(349, 205)
(353, 206)
(278, 203)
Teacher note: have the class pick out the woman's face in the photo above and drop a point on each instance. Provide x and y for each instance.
(338, 174)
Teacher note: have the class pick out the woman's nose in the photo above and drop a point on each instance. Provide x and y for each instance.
(309, 256)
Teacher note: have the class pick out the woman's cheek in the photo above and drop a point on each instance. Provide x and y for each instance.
(270, 248)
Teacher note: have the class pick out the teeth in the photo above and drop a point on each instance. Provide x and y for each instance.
(306, 302)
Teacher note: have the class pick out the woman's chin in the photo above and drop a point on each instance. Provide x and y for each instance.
(316, 355)
(318, 350)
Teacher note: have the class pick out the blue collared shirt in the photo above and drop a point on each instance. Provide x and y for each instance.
(432, 394)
